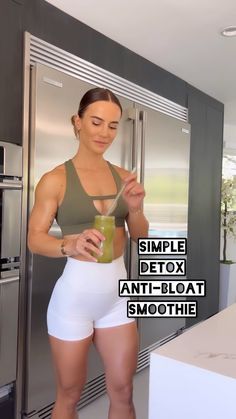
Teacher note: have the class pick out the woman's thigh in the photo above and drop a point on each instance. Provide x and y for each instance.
(118, 348)
(70, 362)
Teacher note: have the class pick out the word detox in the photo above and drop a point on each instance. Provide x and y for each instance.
(162, 258)
(162, 267)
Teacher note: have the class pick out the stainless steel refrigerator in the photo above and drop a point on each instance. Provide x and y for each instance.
(158, 145)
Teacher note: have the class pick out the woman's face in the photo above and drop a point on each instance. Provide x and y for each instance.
(98, 126)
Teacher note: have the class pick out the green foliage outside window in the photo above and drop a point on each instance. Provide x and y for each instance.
(228, 216)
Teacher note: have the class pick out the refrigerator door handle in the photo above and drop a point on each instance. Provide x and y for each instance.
(11, 185)
(139, 132)
(9, 280)
(134, 116)
(143, 119)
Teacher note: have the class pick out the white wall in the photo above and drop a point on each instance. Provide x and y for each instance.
(230, 136)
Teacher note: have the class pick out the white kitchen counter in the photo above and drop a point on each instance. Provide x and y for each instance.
(194, 375)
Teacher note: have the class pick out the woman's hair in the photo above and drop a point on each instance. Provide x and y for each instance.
(95, 95)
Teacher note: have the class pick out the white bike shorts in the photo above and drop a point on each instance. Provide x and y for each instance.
(86, 297)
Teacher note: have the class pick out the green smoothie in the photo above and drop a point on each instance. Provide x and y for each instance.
(106, 225)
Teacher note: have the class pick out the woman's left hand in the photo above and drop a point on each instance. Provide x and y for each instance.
(133, 193)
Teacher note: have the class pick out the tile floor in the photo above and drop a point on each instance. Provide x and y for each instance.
(99, 408)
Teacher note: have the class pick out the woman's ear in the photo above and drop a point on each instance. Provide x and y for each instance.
(77, 122)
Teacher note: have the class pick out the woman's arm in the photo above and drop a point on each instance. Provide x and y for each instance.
(42, 217)
(137, 224)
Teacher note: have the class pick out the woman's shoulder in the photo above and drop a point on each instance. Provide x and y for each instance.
(53, 179)
(123, 173)
(55, 173)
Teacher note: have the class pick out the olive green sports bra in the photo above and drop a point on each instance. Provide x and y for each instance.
(77, 210)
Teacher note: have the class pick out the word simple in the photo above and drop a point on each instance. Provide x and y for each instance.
(163, 246)
(159, 267)
(162, 309)
(161, 288)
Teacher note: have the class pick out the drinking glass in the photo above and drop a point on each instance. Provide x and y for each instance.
(106, 225)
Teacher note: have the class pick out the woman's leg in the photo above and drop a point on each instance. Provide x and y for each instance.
(118, 347)
(70, 361)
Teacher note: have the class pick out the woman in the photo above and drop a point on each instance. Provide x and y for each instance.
(85, 305)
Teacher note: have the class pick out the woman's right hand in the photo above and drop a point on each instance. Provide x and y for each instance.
(84, 244)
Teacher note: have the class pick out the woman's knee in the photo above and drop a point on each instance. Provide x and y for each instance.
(70, 394)
(121, 392)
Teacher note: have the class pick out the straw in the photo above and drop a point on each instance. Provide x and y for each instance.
(114, 203)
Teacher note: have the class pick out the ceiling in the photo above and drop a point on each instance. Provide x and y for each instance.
(181, 36)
